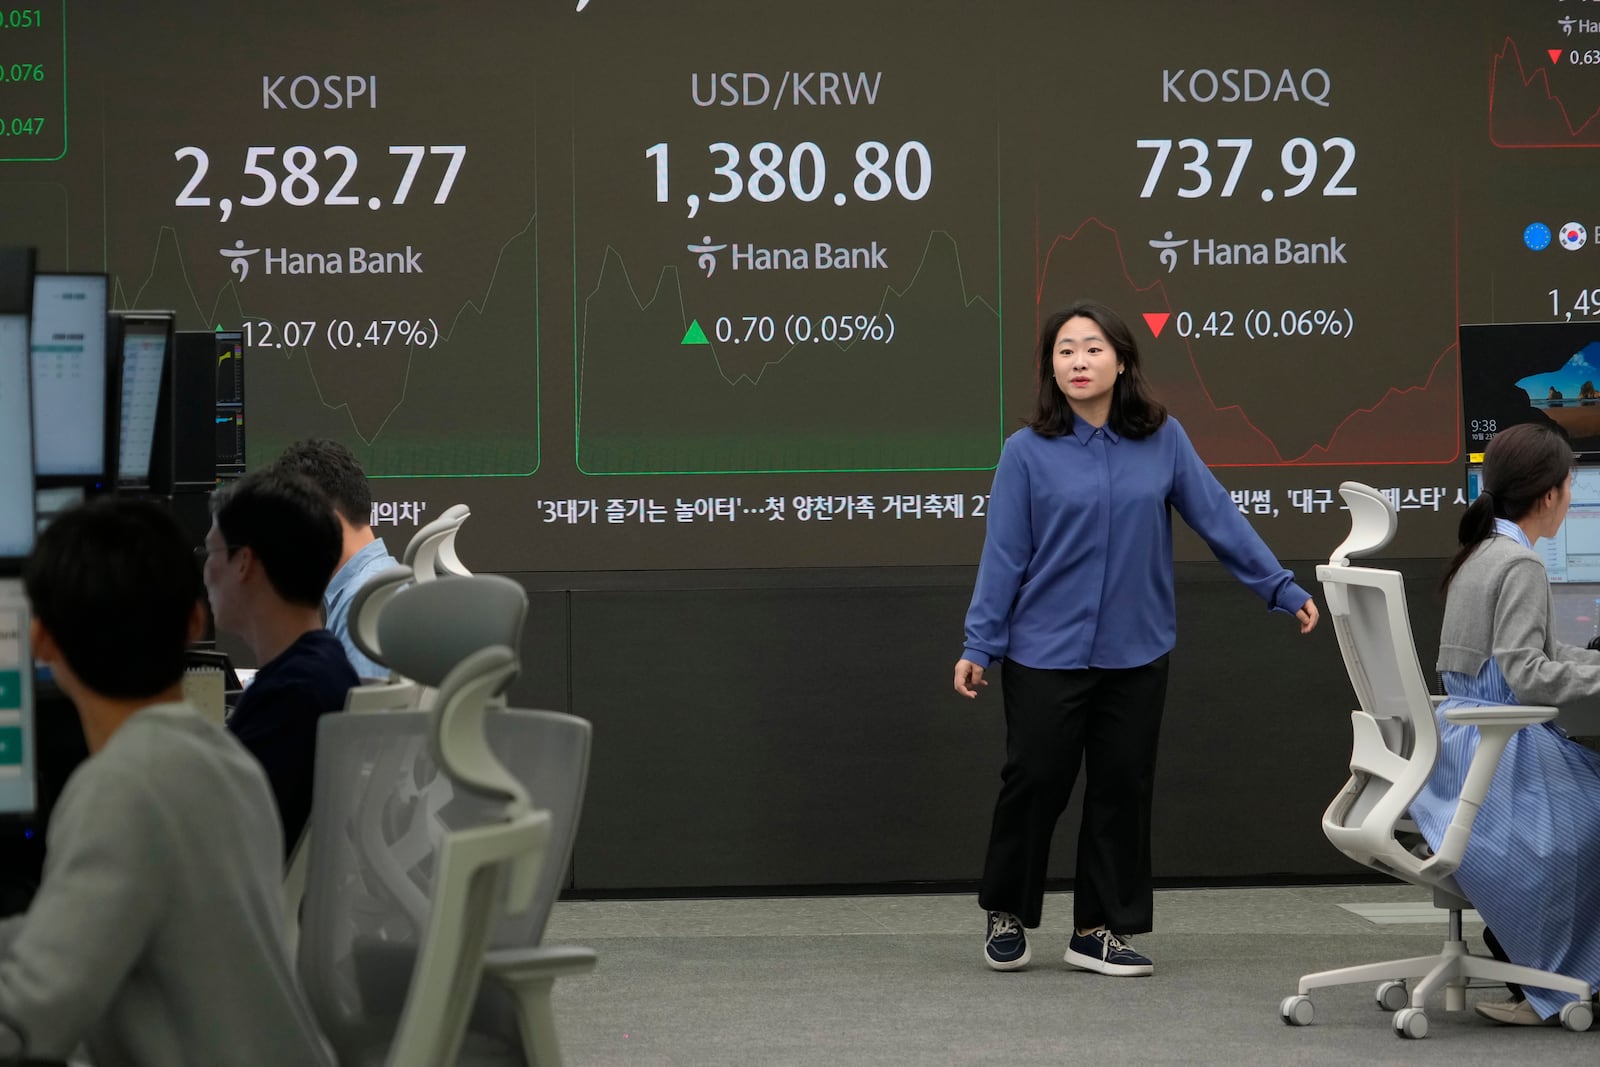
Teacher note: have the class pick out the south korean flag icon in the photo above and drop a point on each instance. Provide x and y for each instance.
(1573, 235)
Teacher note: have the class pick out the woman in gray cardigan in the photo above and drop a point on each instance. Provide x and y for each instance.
(1532, 867)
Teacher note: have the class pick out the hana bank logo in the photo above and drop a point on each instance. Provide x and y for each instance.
(239, 258)
(708, 254)
(1168, 250)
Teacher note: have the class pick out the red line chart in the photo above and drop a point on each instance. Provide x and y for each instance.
(1407, 424)
(1524, 113)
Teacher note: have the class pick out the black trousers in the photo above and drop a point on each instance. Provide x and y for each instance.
(1056, 721)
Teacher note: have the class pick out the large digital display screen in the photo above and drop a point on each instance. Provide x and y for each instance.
(654, 285)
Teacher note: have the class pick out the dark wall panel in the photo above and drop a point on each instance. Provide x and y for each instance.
(543, 681)
(809, 736)
(779, 737)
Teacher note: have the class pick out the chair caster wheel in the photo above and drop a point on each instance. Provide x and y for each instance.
(1392, 996)
(1296, 1010)
(1411, 1022)
(1577, 1016)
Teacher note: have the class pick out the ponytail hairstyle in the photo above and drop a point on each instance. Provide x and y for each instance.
(1521, 465)
(1135, 412)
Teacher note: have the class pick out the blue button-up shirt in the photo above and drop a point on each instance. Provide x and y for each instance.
(342, 589)
(1077, 562)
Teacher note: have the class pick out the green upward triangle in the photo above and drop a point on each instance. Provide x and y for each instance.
(694, 335)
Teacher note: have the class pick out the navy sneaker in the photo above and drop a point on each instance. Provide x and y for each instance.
(1104, 952)
(1006, 947)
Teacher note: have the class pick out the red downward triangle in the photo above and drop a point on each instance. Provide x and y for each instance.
(1555, 55)
(1157, 321)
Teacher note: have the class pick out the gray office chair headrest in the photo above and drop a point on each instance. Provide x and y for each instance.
(1373, 522)
(438, 536)
(430, 627)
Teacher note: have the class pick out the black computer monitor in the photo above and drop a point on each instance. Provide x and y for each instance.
(229, 417)
(16, 445)
(16, 281)
(71, 383)
(1543, 372)
(208, 408)
(142, 342)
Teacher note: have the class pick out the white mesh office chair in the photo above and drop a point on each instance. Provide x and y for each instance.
(458, 620)
(389, 983)
(1396, 743)
(431, 552)
(395, 692)
(548, 752)
(394, 829)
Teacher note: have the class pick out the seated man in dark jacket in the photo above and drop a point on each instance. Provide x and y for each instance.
(273, 544)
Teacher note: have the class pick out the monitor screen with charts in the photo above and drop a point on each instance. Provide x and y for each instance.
(1571, 558)
(69, 376)
(1573, 554)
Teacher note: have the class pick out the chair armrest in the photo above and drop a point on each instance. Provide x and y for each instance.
(1496, 726)
(1514, 715)
(512, 966)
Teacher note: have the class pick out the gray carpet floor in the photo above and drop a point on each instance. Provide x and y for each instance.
(898, 980)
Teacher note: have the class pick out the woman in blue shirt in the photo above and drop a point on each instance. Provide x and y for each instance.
(1075, 595)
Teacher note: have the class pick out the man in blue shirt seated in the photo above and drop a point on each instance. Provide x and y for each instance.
(362, 553)
(272, 546)
(155, 936)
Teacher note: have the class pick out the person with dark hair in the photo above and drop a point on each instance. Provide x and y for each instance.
(362, 553)
(1075, 595)
(155, 936)
(1532, 866)
(272, 546)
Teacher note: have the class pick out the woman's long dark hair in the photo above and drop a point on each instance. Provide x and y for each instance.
(1135, 412)
(1521, 465)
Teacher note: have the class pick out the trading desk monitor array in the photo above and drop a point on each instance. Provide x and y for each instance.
(70, 383)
